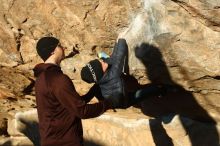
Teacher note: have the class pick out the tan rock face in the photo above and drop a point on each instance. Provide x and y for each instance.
(14, 85)
(116, 129)
(13, 81)
(177, 28)
(173, 41)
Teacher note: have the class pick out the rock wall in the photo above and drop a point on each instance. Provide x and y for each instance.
(170, 41)
(115, 129)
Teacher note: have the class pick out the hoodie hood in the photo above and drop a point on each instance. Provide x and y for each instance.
(39, 68)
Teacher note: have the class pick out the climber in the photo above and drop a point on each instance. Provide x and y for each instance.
(112, 76)
(60, 108)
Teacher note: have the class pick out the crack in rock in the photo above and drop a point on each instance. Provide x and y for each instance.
(200, 17)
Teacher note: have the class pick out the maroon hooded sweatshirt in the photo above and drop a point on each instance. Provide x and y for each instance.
(61, 108)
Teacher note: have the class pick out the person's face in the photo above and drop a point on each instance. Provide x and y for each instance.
(60, 52)
(104, 65)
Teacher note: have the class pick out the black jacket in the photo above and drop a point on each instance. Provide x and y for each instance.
(111, 83)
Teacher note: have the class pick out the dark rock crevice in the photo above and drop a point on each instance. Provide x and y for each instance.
(12, 4)
(29, 89)
(18, 42)
(208, 77)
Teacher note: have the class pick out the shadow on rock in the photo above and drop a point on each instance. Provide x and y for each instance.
(175, 102)
(8, 143)
(159, 134)
(27, 123)
(91, 143)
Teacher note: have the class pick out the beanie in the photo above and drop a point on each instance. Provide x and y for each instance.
(45, 46)
(92, 72)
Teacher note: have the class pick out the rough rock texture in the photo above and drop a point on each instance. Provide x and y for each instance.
(170, 41)
(116, 129)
